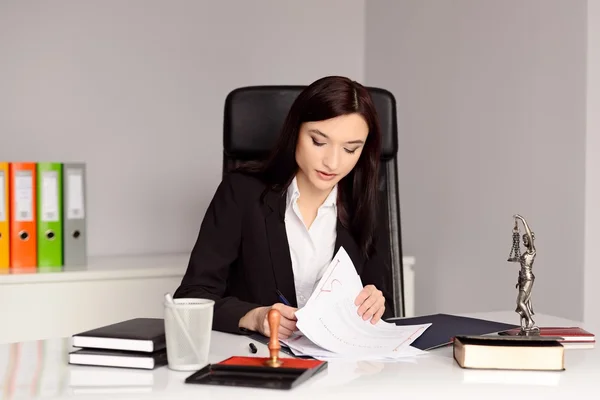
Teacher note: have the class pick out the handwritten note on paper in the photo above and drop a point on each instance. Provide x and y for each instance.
(330, 320)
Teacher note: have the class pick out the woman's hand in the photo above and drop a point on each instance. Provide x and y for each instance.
(371, 303)
(287, 322)
(257, 320)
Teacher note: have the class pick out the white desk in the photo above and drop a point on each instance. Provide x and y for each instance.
(39, 370)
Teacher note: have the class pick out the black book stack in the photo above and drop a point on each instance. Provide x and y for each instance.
(135, 343)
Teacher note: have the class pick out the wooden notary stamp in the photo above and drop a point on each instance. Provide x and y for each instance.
(270, 372)
(274, 318)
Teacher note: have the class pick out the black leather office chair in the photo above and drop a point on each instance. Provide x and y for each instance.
(253, 118)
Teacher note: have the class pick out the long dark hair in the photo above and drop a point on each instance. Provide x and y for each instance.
(327, 98)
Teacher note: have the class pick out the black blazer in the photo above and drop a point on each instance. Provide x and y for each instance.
(242, 255)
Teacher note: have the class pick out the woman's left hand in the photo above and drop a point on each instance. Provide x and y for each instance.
(371, 303)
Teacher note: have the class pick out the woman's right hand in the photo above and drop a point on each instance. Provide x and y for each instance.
(257, 320)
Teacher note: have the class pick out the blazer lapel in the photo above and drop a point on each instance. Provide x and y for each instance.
(281, 261)
(344, 239)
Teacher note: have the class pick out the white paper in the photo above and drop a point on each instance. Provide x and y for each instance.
(75, 209)
(330, 326)
(2, 197)
(50, 211)
(24, 196)
(300, 345)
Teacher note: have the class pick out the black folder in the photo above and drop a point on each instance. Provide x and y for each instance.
(444, 327)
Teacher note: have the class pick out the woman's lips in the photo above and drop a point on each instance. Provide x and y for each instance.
(325, 176)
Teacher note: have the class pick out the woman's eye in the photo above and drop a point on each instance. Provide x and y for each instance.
(350, 151)
(317, 143)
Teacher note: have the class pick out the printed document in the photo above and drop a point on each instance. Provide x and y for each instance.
(330, 327)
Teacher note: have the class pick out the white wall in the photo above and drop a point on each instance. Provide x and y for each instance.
(136, 90)
(491, 104)
(592, 182)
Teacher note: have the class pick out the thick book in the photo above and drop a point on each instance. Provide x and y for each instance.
(571, 334)
(509, 353)
(118, 358)
(138, 334)
(444, 327)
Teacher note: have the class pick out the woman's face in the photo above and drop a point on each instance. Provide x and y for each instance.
(328, 150)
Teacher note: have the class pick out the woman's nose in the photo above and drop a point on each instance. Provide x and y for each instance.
(332, 159)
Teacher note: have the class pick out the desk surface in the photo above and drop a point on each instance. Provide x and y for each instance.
(39, 370)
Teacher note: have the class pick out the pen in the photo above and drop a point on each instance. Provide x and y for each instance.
(253, 348)
(282, 298)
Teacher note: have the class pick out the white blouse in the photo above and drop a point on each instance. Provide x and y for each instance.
(311, 250)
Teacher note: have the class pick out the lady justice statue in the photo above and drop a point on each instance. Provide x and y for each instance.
(526, 277)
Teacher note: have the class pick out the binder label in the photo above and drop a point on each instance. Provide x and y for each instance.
(24, 196)
(75, 194)
(50, 196)
(2, 197)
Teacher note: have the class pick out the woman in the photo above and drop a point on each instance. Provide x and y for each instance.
(272, 228)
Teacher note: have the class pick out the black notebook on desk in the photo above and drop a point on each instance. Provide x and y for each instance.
(444, 327)
(119, 358)
(137, 334)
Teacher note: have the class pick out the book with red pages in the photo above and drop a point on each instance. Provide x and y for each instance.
(572, 334)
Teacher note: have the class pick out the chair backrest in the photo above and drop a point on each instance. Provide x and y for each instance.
(253, 119)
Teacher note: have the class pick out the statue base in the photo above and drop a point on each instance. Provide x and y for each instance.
(535, 331)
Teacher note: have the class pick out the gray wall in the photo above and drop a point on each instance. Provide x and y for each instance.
(136, 90)
(491, 100)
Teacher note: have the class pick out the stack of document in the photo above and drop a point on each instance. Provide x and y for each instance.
(329, 326)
